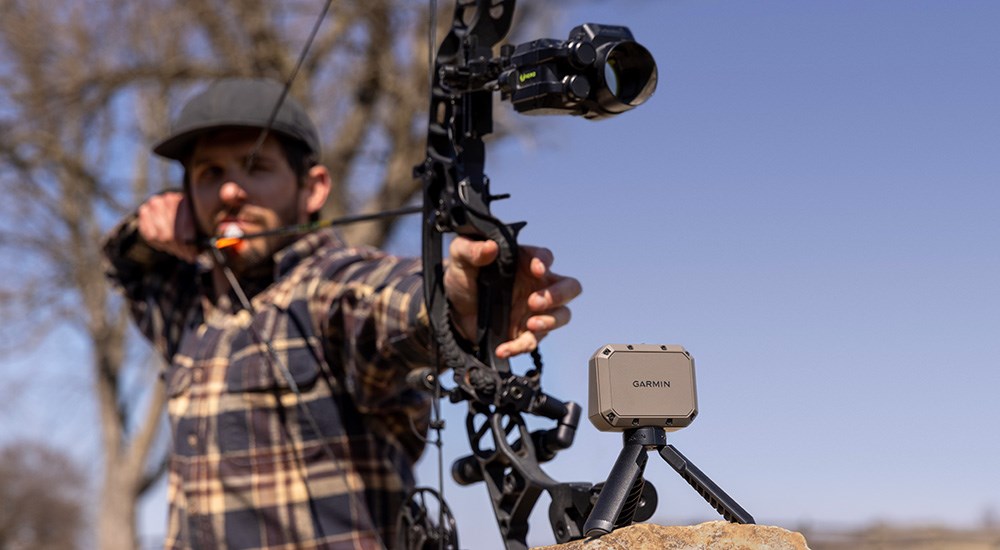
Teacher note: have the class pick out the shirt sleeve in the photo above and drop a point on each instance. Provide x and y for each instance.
(157, 286)
(378, 325)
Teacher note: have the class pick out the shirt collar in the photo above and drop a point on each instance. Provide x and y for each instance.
(284, 261)
(290, 256)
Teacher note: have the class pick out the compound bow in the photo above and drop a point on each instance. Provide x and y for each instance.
(457, 197)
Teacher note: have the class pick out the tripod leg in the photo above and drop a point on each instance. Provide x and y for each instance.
(626, 471)
(712, 493)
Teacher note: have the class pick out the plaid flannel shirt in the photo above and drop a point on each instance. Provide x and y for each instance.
(247, 468)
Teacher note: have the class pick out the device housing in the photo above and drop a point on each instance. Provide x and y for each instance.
(636, 385)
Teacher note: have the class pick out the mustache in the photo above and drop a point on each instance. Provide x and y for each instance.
(241, 217)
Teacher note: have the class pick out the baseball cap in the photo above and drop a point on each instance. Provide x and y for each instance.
(240, 103)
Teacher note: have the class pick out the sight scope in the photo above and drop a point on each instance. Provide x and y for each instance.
(598, 72)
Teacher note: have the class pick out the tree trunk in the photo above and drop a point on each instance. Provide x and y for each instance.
(116, 523)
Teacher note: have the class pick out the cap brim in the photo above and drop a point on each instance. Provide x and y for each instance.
(178, 147)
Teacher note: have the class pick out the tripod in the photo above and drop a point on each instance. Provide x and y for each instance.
(619, 498)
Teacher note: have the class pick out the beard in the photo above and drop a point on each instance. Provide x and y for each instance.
(251, 258)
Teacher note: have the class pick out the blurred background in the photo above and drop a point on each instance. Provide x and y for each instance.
(807, 204)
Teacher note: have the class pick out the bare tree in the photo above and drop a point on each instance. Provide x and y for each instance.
(41, 494)
(87, 85)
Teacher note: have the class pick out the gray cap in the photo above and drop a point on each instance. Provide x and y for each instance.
(240, 103)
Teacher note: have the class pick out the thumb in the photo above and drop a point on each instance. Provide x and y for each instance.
(466, 253)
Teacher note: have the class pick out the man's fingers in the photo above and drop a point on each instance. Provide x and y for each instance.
(539, 260)
(152, 226)
(538, 327)
(557, 294)
(552, 320)
(166, 225)
(524, 343)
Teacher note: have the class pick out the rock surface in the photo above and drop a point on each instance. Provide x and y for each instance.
(719, 535)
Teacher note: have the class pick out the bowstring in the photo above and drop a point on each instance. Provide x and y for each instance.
(252, 157)
(436, 422)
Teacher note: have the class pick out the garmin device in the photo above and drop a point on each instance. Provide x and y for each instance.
(645, 391)
(638, 385)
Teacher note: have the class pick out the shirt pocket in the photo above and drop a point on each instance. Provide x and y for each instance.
(260, 370)
(254, 410)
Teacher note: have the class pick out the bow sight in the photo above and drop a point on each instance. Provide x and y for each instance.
(600, 71)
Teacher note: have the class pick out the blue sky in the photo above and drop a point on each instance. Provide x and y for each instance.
(808, 204)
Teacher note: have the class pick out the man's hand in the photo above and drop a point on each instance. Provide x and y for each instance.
(540, 296)
(166, 224)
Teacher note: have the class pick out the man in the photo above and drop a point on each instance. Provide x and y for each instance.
(292, 423)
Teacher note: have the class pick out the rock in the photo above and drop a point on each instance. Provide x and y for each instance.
(716, 535)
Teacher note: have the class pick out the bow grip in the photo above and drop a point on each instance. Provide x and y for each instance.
(495, 286)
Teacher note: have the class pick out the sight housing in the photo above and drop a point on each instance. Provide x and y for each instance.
(598, 72)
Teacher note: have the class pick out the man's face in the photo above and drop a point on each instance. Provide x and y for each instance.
(229, 198)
